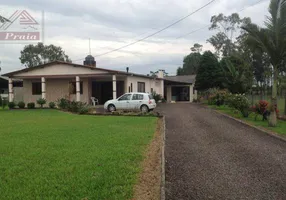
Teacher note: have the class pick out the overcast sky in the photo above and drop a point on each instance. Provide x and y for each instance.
(113, 23)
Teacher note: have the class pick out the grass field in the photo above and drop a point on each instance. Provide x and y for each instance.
(281, 126)
(47, 154)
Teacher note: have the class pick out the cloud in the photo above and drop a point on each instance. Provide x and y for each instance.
(113, 23)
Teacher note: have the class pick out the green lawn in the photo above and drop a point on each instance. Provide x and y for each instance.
(281, 126)
(47, 154)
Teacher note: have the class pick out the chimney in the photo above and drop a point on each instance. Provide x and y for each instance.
(127, 69)
(89, 61)
(160, 73)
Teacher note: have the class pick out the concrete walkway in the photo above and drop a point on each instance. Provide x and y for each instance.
(211, 157)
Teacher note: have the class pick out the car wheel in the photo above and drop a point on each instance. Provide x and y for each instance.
(144, 109)
(111, 108)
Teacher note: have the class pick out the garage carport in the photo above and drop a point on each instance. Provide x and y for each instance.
(179, 88)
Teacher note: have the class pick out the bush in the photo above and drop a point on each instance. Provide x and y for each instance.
(3, 102)
(78, 107)
(83, 110)
(240, 103)
(217, 97)
(41, 102)
(11, 105)
(52, 105)
(63, 103)
(21, 104)
(263, 108)
(73, 106)
(164, 100)
(31, 105)
(157, 97)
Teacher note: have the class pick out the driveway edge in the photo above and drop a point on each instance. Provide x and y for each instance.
(268, 132)
(163, 159)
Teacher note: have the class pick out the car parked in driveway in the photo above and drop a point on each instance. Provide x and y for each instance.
(132, 101)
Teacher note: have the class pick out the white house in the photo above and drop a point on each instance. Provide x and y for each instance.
(57, 79)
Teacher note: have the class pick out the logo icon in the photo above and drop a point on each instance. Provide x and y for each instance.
(20, 26)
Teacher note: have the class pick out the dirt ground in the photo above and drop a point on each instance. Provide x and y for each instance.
(149, 184)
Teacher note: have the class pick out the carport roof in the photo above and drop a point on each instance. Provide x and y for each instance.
(189, 79)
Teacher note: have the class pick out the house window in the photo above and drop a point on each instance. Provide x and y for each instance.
(152, 90)
(73, 87)
(131, 87)
(141, 87)
(36, 88)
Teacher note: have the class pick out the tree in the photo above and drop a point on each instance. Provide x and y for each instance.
(209, 73)
(272, 40)
(180, 71)
(155, 74)
(237, 75)
(197, 48)
(33, 55)
(191, 64)
(227, 26)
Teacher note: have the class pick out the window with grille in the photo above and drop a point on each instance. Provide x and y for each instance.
(36, 88)
(141, 87)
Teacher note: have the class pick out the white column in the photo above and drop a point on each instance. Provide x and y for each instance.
(43, 80)
(191, 93)
(169, 93)
(11, 90)
(77, 80)
(114, 86)
(196, 95)
(162, 88)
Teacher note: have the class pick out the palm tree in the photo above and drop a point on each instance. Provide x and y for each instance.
(272, 40)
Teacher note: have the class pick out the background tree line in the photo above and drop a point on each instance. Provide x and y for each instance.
(246, 56)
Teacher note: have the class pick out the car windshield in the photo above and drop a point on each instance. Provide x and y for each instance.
(151, 96)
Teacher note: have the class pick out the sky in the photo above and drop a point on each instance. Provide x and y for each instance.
(111, 24)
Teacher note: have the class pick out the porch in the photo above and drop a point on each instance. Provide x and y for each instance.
(77, 88)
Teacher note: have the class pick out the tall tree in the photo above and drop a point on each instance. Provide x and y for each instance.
(237, 74)
(272, 40)
(227, 26)
(197, 48)
(209, 72)
(191, 64)
(33, 55)
(155, 74)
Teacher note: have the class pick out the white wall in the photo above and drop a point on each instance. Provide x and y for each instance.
(55, 89)
(59, 69)
(157, 85)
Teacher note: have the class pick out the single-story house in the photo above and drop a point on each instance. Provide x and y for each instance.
(58, 79)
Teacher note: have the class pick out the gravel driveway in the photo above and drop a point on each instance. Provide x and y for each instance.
(209, 156)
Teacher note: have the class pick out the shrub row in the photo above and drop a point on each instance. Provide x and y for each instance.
(30, 105)
(239, 102)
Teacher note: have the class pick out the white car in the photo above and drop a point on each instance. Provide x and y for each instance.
(132, 101)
